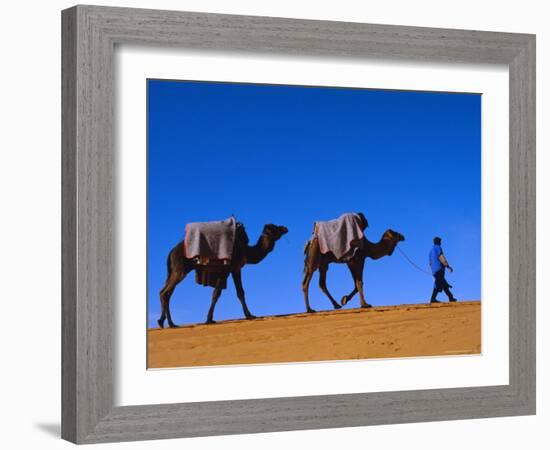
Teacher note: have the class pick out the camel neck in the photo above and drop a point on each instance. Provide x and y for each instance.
(258, 252)
(382, 248)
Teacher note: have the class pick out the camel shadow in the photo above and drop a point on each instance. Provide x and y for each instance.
(53, 429)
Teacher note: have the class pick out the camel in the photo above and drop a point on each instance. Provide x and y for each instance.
(315, 260)
(179, 266)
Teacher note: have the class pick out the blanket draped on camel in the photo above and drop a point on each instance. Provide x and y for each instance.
(341, 236)
(212, 245)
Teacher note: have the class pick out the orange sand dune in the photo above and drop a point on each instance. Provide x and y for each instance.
(381, 332)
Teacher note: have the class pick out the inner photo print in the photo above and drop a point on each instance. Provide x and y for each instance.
(311, 223)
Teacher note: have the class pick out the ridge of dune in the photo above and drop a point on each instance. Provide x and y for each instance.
(408, 330)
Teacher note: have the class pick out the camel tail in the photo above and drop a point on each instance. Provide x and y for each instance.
(306, 249)
(169, 265)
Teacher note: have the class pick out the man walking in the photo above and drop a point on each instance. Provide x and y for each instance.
(438, 263)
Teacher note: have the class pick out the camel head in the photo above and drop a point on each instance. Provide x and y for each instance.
(394, 237)
(274, 232)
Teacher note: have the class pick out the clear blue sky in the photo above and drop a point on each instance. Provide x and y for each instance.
(291, 155)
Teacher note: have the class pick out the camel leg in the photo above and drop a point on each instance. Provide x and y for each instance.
(347, 298)
(305, 288)
(215, 296)
(323, 285)
(240, 293)
(165, 294)
(356, 268)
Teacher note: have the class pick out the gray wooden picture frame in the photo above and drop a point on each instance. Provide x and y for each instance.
(89, 37)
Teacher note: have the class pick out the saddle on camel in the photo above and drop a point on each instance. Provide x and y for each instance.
(342, 236)
(211, 247)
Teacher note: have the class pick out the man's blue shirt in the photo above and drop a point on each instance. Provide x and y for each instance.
(435, 263)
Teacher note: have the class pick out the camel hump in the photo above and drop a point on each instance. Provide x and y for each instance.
(211, 240)
(241, 237)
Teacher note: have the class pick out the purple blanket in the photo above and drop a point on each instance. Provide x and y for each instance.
(340, 236)
(210, 240)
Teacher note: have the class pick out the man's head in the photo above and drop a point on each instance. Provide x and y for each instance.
(437, 240)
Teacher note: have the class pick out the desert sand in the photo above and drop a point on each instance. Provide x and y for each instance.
(382, 332)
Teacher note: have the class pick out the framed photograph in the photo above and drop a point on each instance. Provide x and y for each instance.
(267, 222)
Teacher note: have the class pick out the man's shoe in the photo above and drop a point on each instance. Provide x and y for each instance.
(452, 300)
(435, 301)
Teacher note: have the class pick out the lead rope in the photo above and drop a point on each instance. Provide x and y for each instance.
(411, 262)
